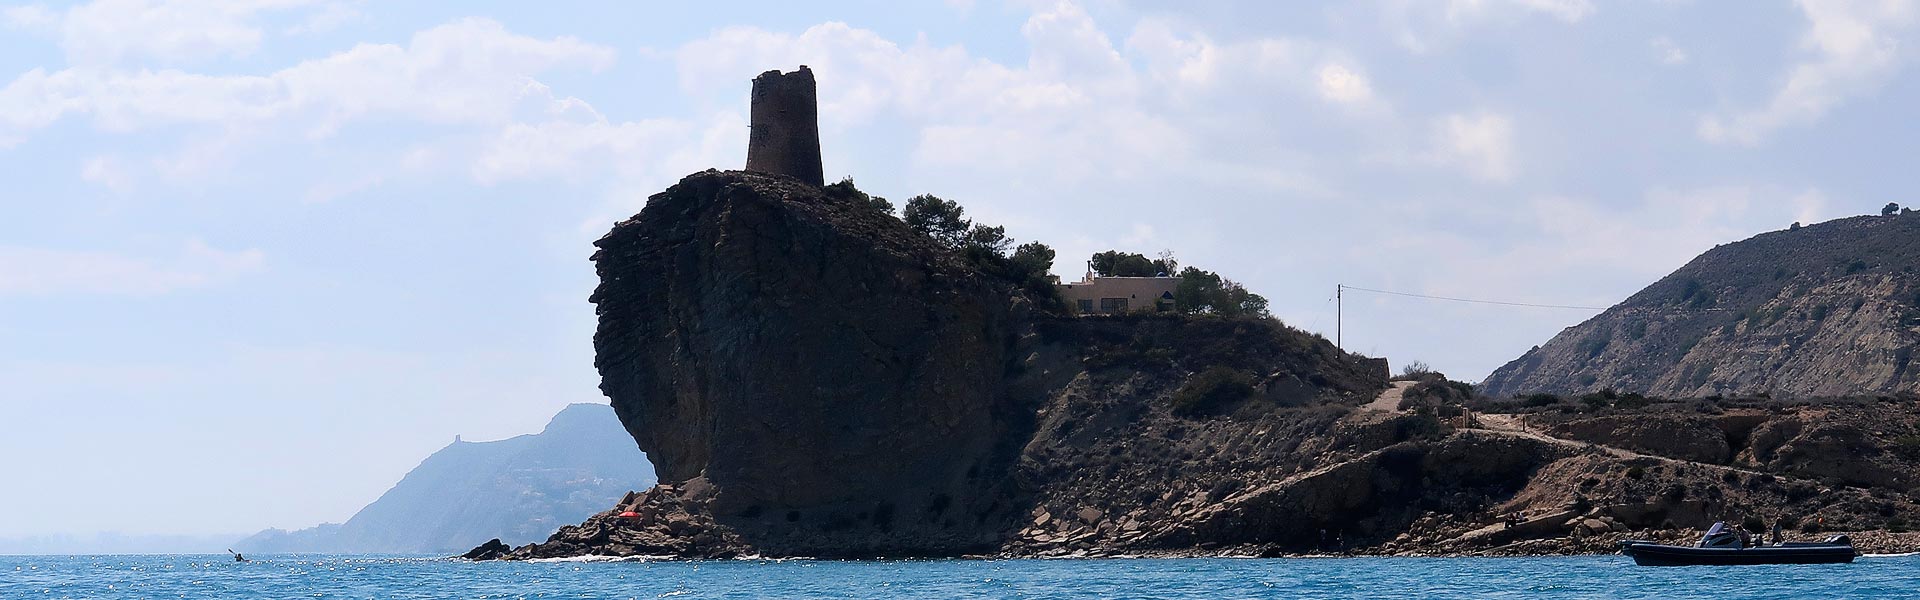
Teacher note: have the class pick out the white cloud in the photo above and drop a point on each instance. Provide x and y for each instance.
(1481, 144)
(1340, 84)
(1586, 251)
(108, 172)
(1065, 43)
(330, 17)
(1141, 235)
(1853, 48)
(1811, 206)
(1193, 69)
(1079, 102)
(1571, 11)
(572, 149)
(470, 71)
(31, 16)
(106, 32)
(1422, 26)
(41, 271)
(1667, 52)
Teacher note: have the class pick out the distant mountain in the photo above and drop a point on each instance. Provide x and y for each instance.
(1831, 309)
(519, 490)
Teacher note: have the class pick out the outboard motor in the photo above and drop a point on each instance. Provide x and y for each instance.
(1840, 539)
(1719, 536)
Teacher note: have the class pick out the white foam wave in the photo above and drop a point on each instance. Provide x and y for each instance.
(594, 558)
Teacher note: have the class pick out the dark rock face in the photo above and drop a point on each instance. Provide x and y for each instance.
(832, 371)
(494, 549)
(1825, 310)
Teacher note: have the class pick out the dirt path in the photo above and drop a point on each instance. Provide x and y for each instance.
(1389, 400)
(1513, 425)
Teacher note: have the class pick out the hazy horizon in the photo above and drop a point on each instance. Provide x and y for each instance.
(263, 256)
(114, 541)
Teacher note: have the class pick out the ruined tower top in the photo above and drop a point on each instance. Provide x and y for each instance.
(785, 121)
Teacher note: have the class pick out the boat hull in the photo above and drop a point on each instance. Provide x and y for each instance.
(1660, 555)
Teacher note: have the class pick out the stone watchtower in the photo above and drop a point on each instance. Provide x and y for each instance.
(785, 121)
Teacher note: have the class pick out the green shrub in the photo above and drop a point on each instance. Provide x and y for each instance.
(1114, 263)
(1539, 400)
(1675, 493)
(943, 220)
(1907, 445)
(1211, 391)
(1206, 292)
(1632, 400)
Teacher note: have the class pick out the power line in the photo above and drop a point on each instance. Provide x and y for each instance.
(1498, 302)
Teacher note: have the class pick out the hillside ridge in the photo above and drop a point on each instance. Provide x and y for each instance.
(1830, 309)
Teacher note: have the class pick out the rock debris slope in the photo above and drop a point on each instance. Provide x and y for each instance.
(1831, 309)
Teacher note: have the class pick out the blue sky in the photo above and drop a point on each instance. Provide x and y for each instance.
(261, 256)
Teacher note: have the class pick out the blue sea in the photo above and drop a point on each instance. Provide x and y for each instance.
(312, 576)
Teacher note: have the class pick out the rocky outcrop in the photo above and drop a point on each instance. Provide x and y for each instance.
(835, 374)
(847, 387)
(812, 378)
(1831, 309)
(493, 549)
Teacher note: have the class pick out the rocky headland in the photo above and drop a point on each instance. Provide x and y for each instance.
(813, 378)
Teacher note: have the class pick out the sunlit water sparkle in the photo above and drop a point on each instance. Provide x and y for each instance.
(316, 576)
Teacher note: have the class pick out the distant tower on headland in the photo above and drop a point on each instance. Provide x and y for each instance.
(785, 121)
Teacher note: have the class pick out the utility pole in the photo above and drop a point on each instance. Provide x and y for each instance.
(1339, 307)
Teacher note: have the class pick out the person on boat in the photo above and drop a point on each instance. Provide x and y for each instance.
(1776, 532)
(236, 556)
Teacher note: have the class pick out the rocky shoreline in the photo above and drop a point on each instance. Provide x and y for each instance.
(1865, 542)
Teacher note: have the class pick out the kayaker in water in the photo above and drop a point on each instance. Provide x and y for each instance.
(236, 556)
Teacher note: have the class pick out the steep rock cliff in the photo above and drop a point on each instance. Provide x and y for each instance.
(847, 386)
(1831, 309)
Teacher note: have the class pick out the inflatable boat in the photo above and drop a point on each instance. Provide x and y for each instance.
(1722, 546)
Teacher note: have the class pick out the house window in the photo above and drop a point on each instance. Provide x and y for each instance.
(1086, 305)
(1113, 305)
